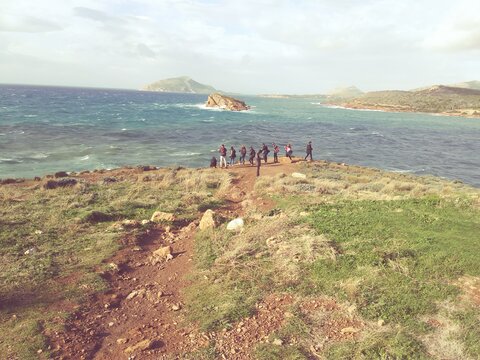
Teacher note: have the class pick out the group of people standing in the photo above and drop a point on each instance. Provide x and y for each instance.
(255, 157)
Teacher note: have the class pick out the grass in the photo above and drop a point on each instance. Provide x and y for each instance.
(53, 242)
(390, 245)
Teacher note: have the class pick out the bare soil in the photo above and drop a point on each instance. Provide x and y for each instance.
(142, 313)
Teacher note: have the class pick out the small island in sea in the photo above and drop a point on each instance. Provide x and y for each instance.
(182, 84)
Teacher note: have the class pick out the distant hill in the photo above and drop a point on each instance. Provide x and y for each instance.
(449, 100)
(346, 92)
(182, 84)
(468, 85)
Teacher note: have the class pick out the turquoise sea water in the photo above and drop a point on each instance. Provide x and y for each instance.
(48, 129)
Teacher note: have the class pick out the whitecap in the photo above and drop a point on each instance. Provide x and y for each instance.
(30, 115)
(124, 129)
(186, 154)
(38, 156)
(86, 157)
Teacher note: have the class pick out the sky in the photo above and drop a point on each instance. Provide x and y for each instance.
(248, 46)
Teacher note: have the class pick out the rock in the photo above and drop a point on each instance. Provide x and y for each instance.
(146, 167)
(113, 267)
(53, 184)
(299, 175)
(235, 225)
(278, 342)
(380, 322)
(60, 174)
(142, 345)
(121, 341)
(217, 100)
(110, 324)
(38, 232)
(160, 216)
(163, 252)
(349, 330)
(176, 307)
(131, 223)
(208, 220)
(146, 222)
(30, 251)
(109, 179)
(37, 178)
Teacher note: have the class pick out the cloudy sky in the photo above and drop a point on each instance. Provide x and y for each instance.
(251, 46)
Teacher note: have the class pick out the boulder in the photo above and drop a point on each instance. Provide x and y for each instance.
(160, 255)
(61, 174)
(299, 175)
(142, 345)
(53, 184)
(208, 220)
(220, 101)
(235, 225)
(160, 216)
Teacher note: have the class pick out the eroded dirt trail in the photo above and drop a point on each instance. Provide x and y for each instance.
(142, 313)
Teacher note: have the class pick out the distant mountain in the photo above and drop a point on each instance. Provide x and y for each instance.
(449, 100)
(468, 85)
(346, 92)
(182, 84)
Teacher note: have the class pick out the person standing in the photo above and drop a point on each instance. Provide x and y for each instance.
(265, 151)
(259, 161)
(252, 155)
(309, 151)
(243, 153)
(223, 154)
(276, 150)
(289, 151)
(233, 155)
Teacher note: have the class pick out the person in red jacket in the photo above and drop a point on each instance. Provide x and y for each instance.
(223, 154)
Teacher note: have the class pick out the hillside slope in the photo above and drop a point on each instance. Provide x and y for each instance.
(182, 84)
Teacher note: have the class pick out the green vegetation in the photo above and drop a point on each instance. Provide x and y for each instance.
(52, 242)
(182, 84)
(388, 247)
(437, 99)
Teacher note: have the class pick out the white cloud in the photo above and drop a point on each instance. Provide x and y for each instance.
(250, 46)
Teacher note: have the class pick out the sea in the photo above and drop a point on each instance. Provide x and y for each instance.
(49, 129)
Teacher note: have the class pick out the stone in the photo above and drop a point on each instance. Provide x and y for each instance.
(277, 342)
(146, 222)
(131, 223)
(160, 216)
(235, 225)
(122, 341)
(299, 175)
(349, 330)
(61, 174)
(163, 252)
(208, 220)
(176, 307)
(220, 101)
(380, 322)
(53, 184)
(142, 345)
(30, 251)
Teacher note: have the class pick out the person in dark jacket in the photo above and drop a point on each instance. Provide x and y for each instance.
(213, 162)
(259, 161)
(309, 151)
(252, 155)
(265, 151)
(233, 155)
(243, 153)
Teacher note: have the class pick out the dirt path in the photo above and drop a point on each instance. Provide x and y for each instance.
(143, 312)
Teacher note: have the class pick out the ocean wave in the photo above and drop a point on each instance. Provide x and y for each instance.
(30, 115)
(84, 158)
(186, 154)
(10, 161)
(38, 156)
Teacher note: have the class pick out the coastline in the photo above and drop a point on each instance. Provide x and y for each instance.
(400, 109)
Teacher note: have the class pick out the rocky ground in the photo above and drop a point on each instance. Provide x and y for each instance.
(142, 314)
